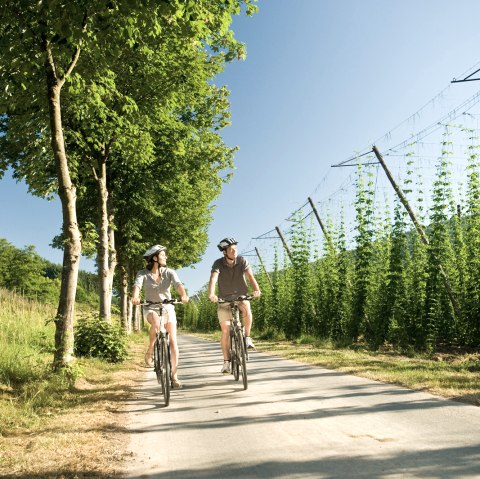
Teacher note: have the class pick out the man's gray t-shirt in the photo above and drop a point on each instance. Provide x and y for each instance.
(231, 280)
(157, 291)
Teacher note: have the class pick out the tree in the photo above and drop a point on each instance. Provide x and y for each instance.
(48, 44)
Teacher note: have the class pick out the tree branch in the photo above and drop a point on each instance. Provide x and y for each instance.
(48, 51)
(76, 54)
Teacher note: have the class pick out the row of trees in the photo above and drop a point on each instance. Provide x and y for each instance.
(390, 286)
(110, 104)
(27, 273)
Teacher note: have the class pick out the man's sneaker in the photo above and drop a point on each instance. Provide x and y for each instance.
(176, 384)
(250, 344)
(225, 367)
(148, 359)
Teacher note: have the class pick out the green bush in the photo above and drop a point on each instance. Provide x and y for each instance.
(96, 338)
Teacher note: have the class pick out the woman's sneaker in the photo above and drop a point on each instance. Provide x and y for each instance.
(250, 344)
(148, 359)
(176, 384)
(226, 367)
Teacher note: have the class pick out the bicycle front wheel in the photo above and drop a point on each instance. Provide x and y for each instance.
(242, 357)
(157, 361)
(235, 358)
(165, 370)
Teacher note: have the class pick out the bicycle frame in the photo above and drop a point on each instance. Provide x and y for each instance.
(161, 352)
(236, 325)
(238, 344)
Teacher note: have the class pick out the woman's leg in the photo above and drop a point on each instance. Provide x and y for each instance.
(171, 327)
(154, 321)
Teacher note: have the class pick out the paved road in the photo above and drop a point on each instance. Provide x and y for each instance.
(295, 421)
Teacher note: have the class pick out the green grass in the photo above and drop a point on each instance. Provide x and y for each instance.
(26, 339)
(27, 384)
(29, 389)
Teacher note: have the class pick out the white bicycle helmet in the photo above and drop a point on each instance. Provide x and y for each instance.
(153, 251)
(225, 243)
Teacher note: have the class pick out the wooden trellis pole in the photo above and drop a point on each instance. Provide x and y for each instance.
(419, 228)
(320, 222)
(263, 266)
(285, 245)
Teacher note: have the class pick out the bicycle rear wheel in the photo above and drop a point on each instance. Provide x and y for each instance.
(242, 357)
(165, 360)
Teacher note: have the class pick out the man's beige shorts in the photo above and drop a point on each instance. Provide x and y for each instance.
(224, 312)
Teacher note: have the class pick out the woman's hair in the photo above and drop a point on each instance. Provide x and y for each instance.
(151, 253)
(150, 262)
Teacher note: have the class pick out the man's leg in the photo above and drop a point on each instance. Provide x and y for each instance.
(224, 317)
(225, 340)
(247, 320)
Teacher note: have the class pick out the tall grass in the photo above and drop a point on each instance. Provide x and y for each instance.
(26, 351)
(26, 338)
(30, 390)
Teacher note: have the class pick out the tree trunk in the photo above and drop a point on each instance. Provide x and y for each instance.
(64, 319)
(136, 318)
(104, 285)
(130, 316)
(136, 310)
(125, 305)
(112, 256)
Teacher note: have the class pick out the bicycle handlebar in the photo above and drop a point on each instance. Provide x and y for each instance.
(244, 297)
(165, 301)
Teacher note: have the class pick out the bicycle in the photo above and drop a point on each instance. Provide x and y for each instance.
(238, 342)
(162, 362)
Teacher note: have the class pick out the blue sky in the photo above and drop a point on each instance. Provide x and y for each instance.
(323, 79)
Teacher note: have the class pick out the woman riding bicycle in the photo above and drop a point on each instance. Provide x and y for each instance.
(157, 279)
(230, 271)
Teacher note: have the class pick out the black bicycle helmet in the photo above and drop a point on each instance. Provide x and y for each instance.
(153, 251)
(225, 243)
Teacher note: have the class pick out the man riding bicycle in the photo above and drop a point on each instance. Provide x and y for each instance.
(157, 279)
(230, 271)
